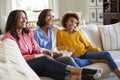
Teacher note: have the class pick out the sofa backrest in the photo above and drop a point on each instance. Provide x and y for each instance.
(92, 34)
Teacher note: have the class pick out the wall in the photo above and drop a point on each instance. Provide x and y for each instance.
(74, 5)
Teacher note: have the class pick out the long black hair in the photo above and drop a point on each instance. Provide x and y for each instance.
(41, 18)
(11, 24)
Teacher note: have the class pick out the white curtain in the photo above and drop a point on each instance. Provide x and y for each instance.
(53, 4)
(5, 8)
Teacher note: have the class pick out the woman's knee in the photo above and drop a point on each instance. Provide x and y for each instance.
(45, 58)
(69, 58)
(107, 55)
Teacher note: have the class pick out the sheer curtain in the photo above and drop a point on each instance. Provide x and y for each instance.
(33, 8)
(5, 8)
(53, 4)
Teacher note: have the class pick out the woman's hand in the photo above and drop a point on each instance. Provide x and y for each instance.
(52, 54)
(48, 53)
(56, 54)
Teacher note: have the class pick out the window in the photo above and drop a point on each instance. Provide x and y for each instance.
(32, 7)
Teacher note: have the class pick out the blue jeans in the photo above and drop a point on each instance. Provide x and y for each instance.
(44, 66)
(82, 62)
(101, 55)
(68, 60)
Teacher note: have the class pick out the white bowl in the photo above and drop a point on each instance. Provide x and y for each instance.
(67, 53)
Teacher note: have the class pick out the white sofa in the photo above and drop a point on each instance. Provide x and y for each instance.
(107, 38)
(14, 67)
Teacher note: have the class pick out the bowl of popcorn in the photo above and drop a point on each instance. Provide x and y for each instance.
(66, 51)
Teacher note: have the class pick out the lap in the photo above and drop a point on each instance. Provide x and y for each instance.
(67, 60)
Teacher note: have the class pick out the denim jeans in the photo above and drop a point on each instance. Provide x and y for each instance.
(67, 60)
(101, 55)
(82, 62)
(44, 66)
(76, 62)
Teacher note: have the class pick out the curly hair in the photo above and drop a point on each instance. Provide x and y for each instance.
(67, 15)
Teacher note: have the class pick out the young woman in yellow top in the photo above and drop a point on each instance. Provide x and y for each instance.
(71, 38)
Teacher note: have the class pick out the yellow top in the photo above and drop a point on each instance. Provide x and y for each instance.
(76, 41)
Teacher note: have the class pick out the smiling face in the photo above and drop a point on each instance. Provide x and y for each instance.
(22, 20)
(71, 23)
(49, 18)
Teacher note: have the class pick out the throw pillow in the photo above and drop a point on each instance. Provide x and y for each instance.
(12, 64)
(110, 36)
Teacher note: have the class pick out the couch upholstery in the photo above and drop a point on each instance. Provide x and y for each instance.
(12, 64)
(9, 54)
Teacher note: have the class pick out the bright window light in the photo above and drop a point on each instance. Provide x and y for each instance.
(32, 7)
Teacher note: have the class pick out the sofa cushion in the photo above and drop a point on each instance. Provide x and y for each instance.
(1, 36)
(91, 33)
(12, 64)
(110, 36)
(116, 56)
